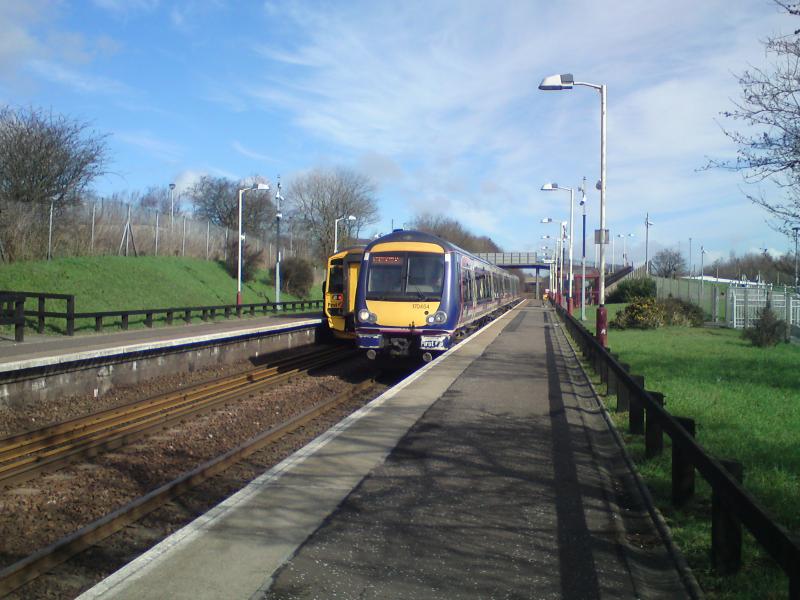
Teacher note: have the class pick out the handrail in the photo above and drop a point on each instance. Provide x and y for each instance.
(780, 544)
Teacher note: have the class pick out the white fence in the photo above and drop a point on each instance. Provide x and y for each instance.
(745, 304)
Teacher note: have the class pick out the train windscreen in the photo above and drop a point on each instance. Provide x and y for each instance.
(336, 277)
(405, 276)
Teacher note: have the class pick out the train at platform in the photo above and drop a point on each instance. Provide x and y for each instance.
(339, 291)
(417, 294)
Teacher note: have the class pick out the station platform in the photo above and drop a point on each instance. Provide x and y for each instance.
(48, 350)
(489, 473)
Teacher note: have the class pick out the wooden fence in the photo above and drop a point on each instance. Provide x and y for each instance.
(183, 313)
(12, 312)
(732, 505)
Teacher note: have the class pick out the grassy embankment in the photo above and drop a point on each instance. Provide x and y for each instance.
(746, 403)
(107, 283)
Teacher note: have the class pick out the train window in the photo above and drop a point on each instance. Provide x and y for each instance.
(406, 276)
(466, 285)
(336, 277)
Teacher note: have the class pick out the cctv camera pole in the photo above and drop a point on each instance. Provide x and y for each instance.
(583, 253)
(278, 217)
(602, 315)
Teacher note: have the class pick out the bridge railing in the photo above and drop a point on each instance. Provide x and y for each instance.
(511, 259)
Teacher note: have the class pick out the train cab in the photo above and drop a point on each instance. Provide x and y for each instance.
(340, 291)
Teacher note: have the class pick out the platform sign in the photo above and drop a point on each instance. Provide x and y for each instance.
(597, 239)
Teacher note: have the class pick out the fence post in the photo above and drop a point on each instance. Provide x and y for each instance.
(125, 321)
(611, 383)
(71, 315)
(98, 323)
(653, 435)
(714, 303)
(787, 309)
(636, 408)
(682, 468)
(623, 395)
(169, 317)
(726, 530)
(187, 316)
(148, 319)
(183, 243)
(19, 319)
(40, 327)
(746, 308)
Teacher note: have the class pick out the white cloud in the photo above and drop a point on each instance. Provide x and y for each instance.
(77, 80)
(241, 149)
(152, 144)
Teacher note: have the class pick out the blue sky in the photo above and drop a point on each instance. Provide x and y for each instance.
(436, 101)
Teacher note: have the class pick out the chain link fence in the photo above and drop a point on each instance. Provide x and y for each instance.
(36, 232)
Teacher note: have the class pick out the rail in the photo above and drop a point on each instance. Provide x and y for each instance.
(185, 313)
(732, 505)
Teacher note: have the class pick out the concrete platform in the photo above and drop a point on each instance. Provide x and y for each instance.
(41, 350)
(490, 473)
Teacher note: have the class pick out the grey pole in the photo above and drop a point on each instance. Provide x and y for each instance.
(183, 243)
(128, 231)
(94, 208)
(690, 257)
(278, 217)
(796, 281)
(156, 253)
(583, 253)
(50, 234)
(171, 205)
(208, 236)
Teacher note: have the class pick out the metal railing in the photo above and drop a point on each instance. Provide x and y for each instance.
(732, 505)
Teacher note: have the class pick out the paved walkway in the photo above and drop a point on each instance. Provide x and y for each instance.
(490, 474)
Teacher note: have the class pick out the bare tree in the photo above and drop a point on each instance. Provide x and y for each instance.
(217, 199)
(320, 197)
(769, 107)
(454, 232)
(668, 263)
(47, 158)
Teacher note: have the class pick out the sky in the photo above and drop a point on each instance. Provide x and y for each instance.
(436, 101)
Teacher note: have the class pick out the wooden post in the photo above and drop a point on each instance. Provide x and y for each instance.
(636, 408)
(71, 315)
(98, 323)
(653, 435)
(252, 310)
(187, 316)
(682, 468)
(623, 394)
(205, 314)
(611, 379)
(726, 530)
(125, 321)
(40, 328)
(169, 317)
(148, 319)
(19, 319)
(228, 311)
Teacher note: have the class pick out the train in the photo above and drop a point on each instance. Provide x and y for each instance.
(339, 291)
(418, 293)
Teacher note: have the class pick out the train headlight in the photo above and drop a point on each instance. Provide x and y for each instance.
(437, 318)
(367, 317)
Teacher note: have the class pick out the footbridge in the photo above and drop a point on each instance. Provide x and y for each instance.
(516, 260)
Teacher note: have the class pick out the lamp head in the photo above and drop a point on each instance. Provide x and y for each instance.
(172, 186)
(261, 186)
(547, 220)
(351, 218)
(557, 82)
(549, 187)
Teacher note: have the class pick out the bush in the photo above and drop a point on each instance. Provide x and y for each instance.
(250, 260)
(767, 331)
(680, 312)
(630, 289)
(297, 276)
(642, 313)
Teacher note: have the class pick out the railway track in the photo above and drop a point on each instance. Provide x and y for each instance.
(26, 570)
(25, 455)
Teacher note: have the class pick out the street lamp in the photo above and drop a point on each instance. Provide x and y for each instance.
(647, 225)
(171, 205)
(565, 82)
(796, 282)
(551, 187)
(336, 231)
(255, 187)
(625, 237)
(583, 251)
(554, 276)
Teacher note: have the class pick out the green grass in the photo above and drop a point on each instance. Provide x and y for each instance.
(746, 404)
(111, 283)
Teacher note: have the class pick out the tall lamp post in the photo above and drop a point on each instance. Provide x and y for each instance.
(255, 187)
(550, 187)
(647, 225)
(336, 231)
(583, 251)
(554, 278)
(625, 237)
(565, 82)
(171, 205)
(278, 217)
(796, 281)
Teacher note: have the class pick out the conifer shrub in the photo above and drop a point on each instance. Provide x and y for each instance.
(767, 330)
(682, 313)
(297, 276)
(629, 289)
(250, 260)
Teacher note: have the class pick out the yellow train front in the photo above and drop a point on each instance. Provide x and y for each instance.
(340, 291)
(417, 292)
